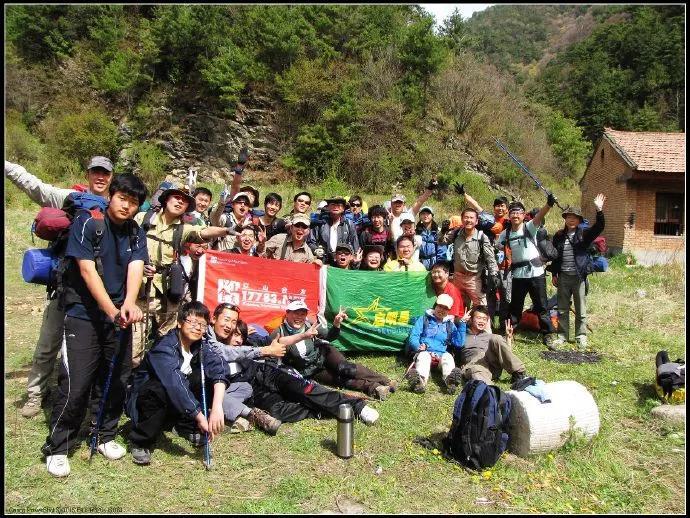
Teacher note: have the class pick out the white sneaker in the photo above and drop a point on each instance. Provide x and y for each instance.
(368, 415)
(57, 465)
(111, 450)
(581, 341)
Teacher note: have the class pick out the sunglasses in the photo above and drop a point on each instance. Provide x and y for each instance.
(231, 307)
(306, 202)
(355, 204)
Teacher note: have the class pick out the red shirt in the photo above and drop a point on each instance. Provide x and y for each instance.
(458, 308)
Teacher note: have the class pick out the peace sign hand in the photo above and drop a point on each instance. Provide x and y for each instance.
(342, 315)
(509, 331)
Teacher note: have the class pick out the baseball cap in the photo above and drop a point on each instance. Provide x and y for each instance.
(345, 246)
(427, 209)
(101, 162)
(296, 305)
(406, 217)
(240, 195)
(397, 197)
(445, 300)
(322, 204)
(301, 218)
(254, 191)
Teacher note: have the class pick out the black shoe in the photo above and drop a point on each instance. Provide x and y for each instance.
(453, 380)
(520, 380)
(416, 382)
(141, 456)
(197, 439)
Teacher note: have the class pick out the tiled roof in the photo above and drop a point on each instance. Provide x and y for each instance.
(650, 151)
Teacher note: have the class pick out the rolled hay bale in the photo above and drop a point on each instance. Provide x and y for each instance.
(536, 427)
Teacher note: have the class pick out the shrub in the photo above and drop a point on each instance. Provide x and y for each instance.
(151, 161)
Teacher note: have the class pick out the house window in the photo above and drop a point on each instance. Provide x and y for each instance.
(668, 220)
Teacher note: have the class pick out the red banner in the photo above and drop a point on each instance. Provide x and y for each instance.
(262, 288)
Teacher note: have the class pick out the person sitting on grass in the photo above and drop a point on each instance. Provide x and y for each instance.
(315, 358)
(278, 395)
(484, 355)
(166, 390)
(432, 339)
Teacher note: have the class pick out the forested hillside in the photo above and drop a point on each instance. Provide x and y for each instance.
(601, 65)
(367, 94)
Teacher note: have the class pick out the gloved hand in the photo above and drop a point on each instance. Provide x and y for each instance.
(243, 157)
(445, 226)
(238, 169)
(551, 200)
(433, 184)
(459, 188)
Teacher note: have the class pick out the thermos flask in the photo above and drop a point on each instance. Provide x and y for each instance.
(346, 435)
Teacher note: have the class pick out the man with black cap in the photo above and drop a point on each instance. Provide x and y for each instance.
(526, 266)
(572, 266)
(166, 234)
(99, 173)
(337, 229)
(345, 258)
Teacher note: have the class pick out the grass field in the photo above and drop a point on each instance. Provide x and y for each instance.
(635, 465)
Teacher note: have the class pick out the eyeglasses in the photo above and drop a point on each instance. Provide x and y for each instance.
(306, 202)
(198, 325)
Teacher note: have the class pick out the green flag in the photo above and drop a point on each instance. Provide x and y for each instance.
(381, 307)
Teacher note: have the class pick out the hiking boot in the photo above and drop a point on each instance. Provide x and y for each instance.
(393, 384)
(382, 392)
(32, 407)
(141, 456)
(264, 420)
(517, 376)
(417, 383)
(453, 380)
(111, 450)
(241, 425)
(57, 465)
(581, 342)
(368, 415)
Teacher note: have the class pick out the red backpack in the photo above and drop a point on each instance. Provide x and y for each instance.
(50, 223)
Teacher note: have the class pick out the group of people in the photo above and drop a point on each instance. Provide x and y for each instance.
(133, 338)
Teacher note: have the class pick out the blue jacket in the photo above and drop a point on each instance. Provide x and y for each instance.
(430, 252)
(436, 334)
(163, 362)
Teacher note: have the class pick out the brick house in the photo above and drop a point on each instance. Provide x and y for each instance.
(642, 175)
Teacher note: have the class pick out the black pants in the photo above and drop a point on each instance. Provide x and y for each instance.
(290, 399)
(536, 287)
(88, 351)
(359, 378)
(156, 412)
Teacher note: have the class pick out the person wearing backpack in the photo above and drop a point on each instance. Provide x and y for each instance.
(572, 266)
(99, 173)
(527, 268)
(484, 356)
(106, 254)
(430, 251)
(337, 229)
(472, 255)
(433, 338)
(166, 235)
(235, 220)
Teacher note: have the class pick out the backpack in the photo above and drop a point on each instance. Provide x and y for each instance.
(670, 378)
(478, 434)
(547, 252)
(599, 246)
(45, 266)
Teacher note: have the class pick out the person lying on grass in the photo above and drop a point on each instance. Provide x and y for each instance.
(432, 339)
(166, 391)
(315, 358)
(278, 395)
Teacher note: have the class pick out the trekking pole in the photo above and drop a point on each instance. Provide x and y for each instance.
(122, 336)
(525, 170)
(207, 446)
(148, 313)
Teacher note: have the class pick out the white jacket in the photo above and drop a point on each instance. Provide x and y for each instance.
(42, 193)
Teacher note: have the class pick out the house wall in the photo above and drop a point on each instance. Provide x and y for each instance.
(605, 176)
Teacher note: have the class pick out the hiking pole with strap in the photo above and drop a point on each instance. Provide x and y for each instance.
(207, 446)
(525, 170)
(122, 336)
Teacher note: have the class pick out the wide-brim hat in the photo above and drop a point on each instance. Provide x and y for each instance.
(163, 198)
(255, 192)
(575, 211)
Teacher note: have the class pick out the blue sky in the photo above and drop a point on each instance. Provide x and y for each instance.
(442, 11)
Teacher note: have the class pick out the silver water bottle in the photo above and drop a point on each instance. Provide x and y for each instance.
(346, 431)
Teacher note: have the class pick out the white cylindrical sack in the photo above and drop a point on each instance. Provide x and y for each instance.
(537, 427)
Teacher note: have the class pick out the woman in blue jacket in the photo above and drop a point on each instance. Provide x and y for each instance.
(432, 338)
(430, 251)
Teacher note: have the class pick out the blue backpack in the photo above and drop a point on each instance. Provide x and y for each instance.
(478, 434)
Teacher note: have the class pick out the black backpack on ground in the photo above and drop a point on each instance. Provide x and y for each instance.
(478, 434)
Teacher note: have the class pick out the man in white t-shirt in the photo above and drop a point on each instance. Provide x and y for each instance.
(519, 241)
